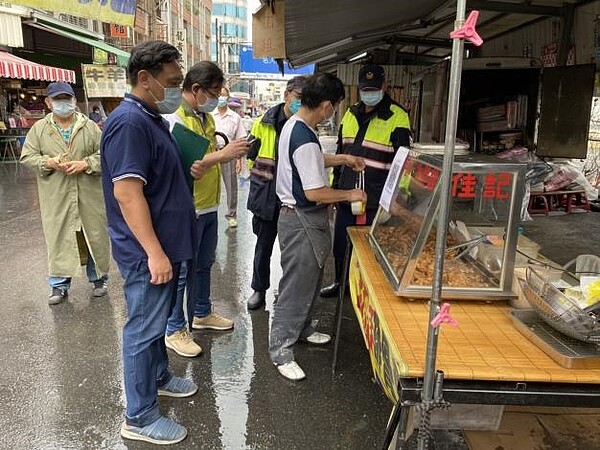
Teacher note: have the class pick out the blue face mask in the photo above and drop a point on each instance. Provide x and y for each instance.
(209, 105)
(371, 98)
(171, 99)
(295, 105)
(63, 108)
(222, 101)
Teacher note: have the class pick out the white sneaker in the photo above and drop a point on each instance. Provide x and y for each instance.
(292, 371)
(318, 338)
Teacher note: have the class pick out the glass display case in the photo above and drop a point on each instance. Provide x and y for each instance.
(487, 195)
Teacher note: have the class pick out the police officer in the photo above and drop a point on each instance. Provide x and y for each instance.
(374, 129)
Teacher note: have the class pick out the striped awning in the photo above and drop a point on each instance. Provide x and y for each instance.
(12, 66)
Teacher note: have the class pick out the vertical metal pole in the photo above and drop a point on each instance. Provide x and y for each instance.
(443, 214)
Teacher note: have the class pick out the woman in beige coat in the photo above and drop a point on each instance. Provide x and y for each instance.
(63, 150)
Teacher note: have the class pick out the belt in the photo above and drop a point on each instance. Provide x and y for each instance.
(287, 208)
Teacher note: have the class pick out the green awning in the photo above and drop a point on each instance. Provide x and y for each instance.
(122, 55)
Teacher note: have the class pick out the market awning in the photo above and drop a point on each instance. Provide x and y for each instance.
(12, 66)
(122, 55)
(315, 30)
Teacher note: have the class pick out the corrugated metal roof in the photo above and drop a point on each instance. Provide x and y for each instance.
(333, 31)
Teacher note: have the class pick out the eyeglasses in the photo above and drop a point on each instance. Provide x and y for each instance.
(211, 93)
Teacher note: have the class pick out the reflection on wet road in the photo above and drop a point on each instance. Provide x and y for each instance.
(61, 374)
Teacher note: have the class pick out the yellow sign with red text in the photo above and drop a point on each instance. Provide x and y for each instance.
(386, 361)
(120, 12)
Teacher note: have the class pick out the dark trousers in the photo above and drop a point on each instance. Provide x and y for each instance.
(266, 233)
(344, 219)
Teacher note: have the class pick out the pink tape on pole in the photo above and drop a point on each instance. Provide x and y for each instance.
(444, 317)
(467, 31)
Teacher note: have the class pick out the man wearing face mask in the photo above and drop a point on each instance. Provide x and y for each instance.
(374, 129)
(201, 89)
(151, 224)
(304, 234)
(63, 150)
(230, 124)
(262, 198)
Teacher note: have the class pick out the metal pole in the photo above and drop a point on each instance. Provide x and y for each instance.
(443, 215)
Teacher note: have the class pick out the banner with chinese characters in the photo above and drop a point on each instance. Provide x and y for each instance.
(121, 12)
(268, 31)
(118, 31)
(104, 81)
(181, 44)
(386, 362)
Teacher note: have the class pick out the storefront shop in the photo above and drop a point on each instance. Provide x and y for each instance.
(22, 92)
(494, 355)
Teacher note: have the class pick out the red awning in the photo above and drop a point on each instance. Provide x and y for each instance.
(12, 66)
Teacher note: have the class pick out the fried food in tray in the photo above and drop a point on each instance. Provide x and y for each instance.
(396, 244)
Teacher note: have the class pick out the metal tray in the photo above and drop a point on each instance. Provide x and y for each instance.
(566, 351)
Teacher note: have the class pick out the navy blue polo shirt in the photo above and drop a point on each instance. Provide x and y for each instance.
(136, 143)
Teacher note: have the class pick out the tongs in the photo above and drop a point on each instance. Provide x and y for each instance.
(468, 246)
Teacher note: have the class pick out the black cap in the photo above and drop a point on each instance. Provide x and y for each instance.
(59, 88)
(371, 76)
(296, 84)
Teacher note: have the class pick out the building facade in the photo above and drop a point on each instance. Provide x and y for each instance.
(229, 31)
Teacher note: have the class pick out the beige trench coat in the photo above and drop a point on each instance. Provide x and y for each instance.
(69, 203)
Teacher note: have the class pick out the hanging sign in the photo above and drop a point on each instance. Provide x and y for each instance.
(392, 179)
(118, 31)
(181, 45)
(121, 12)
(104, 81)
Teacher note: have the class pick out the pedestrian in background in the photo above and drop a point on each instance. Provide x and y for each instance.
(304, 233)
(151, 224)
(201, 89)
(63, 150)
(373, 129)
(262, 197)
(230, 124)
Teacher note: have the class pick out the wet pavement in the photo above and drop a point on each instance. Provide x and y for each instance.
(60, 378)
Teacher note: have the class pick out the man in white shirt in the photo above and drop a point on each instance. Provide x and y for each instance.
(303, 226)
(230, 124)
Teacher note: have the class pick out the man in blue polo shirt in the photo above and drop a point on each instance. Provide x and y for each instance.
(150, 214)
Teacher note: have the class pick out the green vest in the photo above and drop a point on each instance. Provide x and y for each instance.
(207, 190)
(379, 130)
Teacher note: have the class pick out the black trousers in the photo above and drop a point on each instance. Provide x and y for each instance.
(266, 233)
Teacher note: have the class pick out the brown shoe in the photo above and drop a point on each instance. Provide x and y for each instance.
(182, 343)
(213, 321)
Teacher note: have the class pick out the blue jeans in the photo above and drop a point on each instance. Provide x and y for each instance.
(64, 283)
(198, 276)
(176, 321)
(145, 360)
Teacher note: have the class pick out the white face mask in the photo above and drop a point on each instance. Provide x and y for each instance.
(63, 108)
(171, 99)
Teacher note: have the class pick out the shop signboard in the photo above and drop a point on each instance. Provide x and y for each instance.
(104, 81)
(268, 30)
(386, 362)
(121, 12)
(251, 63)
(118, 31)
(100, 56)
(181, 45)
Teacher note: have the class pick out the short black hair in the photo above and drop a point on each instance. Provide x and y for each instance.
(320, 87)
(150, 56)
(204, 73)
